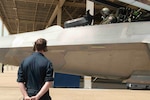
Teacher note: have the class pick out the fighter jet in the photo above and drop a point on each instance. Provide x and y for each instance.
(118, 51)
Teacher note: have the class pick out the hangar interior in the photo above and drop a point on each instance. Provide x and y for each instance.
(21, 16)
(31, 15)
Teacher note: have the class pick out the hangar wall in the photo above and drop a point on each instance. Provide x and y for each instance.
(3, 30)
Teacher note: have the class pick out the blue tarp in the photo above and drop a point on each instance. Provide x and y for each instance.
(62, 80)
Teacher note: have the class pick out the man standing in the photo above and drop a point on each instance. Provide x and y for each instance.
(2, 68)
(35, 74)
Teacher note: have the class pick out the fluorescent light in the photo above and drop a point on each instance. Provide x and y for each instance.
(137, 4)
(141, 5)
(127, 1)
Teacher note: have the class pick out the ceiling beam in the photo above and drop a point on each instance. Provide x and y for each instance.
(49, 10)
(68, 13)
(44, 2)
(53, 16)
(55, 2)
(17, 18)
(5, 18)
(26, 21)
(107, 3)
(80, 5)
(83, 5)
(35, 14)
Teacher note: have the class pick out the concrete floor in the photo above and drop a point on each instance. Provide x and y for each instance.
(10, 91)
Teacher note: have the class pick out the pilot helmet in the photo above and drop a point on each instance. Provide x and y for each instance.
(105, 11)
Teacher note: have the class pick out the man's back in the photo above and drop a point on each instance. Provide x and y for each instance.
(36, 73)
(35, 70)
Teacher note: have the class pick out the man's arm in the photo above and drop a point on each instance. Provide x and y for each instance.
(23, 91)
(43, 90)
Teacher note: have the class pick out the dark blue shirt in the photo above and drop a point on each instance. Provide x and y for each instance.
(34, 71)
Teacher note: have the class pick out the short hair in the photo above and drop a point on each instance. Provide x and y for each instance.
(40, 44)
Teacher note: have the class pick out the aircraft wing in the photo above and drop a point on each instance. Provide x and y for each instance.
(97, 34)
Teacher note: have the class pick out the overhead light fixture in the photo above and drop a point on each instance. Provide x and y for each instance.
(14, 8)
(137, 4)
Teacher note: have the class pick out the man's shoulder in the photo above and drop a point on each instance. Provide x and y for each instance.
(28, 58)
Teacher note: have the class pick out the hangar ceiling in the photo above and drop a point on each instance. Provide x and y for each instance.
(31, 15)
